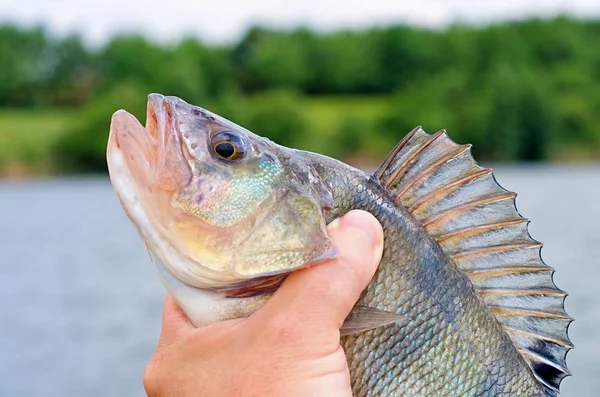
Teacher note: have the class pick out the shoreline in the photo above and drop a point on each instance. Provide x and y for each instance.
(21, 172)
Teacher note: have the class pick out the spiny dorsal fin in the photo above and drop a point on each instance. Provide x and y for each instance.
(477, 224)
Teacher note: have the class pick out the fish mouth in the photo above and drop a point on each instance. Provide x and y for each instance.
(153, 153)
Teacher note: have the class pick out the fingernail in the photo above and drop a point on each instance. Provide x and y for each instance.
(366, 224)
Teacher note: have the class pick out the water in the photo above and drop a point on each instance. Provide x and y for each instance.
(80, 303)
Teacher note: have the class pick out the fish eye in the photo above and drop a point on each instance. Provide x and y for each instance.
(228, 146)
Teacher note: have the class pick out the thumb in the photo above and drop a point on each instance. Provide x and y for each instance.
(321, 297)
(174, 322)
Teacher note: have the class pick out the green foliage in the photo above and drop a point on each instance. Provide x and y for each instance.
(82, 148)
(276, 114)
(527, 90)
(133, 60)
(346, 126)
(22, 67)
(27, 139)
(266, 59)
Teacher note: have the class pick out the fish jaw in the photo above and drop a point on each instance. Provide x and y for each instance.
(204, 307)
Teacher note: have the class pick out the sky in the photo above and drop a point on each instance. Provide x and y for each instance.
(225, 20)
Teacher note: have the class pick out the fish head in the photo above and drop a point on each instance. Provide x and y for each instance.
(220, 207)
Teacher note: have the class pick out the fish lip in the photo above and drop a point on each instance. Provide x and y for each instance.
(158, 117)
(153, 109)
(153, 138)
(162, 120)
(124, 125)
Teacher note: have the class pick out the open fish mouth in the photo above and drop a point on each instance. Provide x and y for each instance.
(152, 154)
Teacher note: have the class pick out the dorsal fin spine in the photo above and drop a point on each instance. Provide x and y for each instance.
(443, 160)
(527, 313)
(398, 171)
(502, 271)
(449, 187)
(470, 205)
(545, 360)
(531, 334)
(392, 155)
(498, 291)
(486, 227)
(496, 248)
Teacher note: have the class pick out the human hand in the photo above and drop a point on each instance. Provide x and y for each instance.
(290, 347)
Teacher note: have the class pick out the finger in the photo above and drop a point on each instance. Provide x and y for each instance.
(323, 295)
(174, 321)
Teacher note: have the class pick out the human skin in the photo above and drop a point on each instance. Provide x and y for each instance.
(290, 347)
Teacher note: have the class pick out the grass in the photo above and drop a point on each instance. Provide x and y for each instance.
(328, 112)
(349, 120)
(27, 138)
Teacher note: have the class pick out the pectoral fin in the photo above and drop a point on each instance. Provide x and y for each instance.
(363, 318)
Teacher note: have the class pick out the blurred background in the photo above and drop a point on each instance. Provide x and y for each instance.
(81, 304)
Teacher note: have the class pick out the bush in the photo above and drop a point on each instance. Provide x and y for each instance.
(276, 114)
(83, 147)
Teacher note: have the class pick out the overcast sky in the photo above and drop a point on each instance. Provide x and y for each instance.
(225, 20)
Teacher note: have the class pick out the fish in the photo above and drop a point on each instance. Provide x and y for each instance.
(462, 303)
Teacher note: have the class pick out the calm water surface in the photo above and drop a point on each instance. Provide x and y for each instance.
(80, 303)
